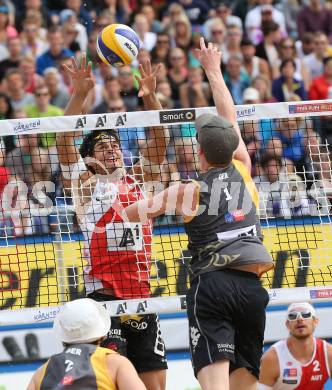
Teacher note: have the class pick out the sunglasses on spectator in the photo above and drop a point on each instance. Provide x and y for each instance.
(288, 46)
(177, 58)
(163, 41)
(294, 315)
(124, 74)
(39, 94)
(217, 32)
(233, 33)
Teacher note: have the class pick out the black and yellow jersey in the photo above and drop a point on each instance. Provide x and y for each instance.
(78, 367)
(226, 229)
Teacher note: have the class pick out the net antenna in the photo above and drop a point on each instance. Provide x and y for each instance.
(39, 272)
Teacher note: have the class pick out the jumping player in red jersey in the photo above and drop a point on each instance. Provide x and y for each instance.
(301, 361)
(118, 253)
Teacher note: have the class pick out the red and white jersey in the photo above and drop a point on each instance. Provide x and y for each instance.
(118, 252)
(294, 375)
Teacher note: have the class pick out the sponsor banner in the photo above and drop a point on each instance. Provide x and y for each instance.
(309, 108)
(177, 116)
(155, 118)
(41, 275)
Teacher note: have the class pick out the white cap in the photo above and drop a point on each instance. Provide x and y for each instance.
(301, 306)
(250, 94)
(81, 321)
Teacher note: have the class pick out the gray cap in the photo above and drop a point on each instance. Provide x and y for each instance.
(217, 138)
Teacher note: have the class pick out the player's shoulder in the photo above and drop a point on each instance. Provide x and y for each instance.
(271, 356)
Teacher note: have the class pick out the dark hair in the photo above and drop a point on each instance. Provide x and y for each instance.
(270, 26)
(12, 71)
(286, 62)
(267, 157)
(10, 112)
(326, 60)
(246, 42)
(90, 140)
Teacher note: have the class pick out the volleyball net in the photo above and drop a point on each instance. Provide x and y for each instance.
(45, 252)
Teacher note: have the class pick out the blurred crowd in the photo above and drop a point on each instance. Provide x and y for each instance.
(272, 51)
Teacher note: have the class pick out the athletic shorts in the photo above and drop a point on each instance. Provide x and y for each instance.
(137, 337)
(226, 313)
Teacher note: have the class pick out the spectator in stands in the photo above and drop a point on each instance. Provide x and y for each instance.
(181, 33)
(321, 87)
(6, 109)
(274, 146)
(267, 49)
(14, 46)
(233, 43)
(65, 79)
(215, 32)
(150, 14)
(30, 6)
(178, 72)
(236, 80)
(147, 38)
(290, 133)
(287, 51)
(224, 12)
(287, 88)
(35, 17)
(281, 194)
(31, 78)
(164, 87)
(33, 44)
(263, 86)
(253, 22)
(253, 65)
(111, 91)
(6, 30)
(314, 61)
(306, 45)
(161, 50)
(14, 84)
(196, 10)
(43, 108)
(173, 11)
(74, 33)
(56, 53)
(128, 92)
(314, 17)
(195, 92)
(290, 10)
(82, 15)
(186, 158)
(59, 97)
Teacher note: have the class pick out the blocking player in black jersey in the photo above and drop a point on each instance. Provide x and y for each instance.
(226, 302)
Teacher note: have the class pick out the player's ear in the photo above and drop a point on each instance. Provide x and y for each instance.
(287, 324)
(316, 320)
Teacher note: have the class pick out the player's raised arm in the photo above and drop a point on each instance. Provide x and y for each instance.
(181, 197)
(210, 58)
(154, 153)
(83, 82)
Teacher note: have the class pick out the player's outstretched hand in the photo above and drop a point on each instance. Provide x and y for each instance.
(209, 57)
(148, 80)
(81, 75)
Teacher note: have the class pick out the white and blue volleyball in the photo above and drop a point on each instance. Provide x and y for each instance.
(117, 45)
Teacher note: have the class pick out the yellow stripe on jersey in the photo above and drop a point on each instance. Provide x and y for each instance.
(187, 219)
(42, 374)
(251, 187)
(99, 365)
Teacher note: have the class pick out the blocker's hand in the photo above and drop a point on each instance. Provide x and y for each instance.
(148, 81)
(209, 57)
(81, 75)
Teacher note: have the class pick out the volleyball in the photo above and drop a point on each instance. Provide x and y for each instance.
(117, 45)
